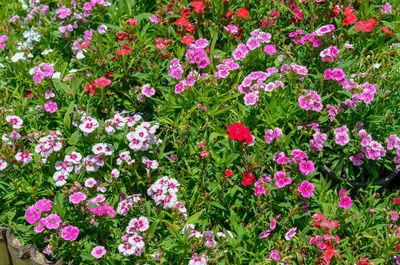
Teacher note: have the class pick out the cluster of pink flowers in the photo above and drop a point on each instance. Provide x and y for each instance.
(371, 149)
(324, 243)
(198, 259)
(260, 185)
(341, 135)
(254, 83)
(143, 136)
(257, 38)
(192, 77)
(197, 55)
(232, 29)
(118, 122)
(223, 70)
(98, 207)
(39, 213)
(148, 91)
(125, 204)
(336, 74)
(310, 101)
(49, 144)
(133, 243)
(41, 71)
(345, 201)
(175, 69)
(270, 135)
(163, 192)
(329, 54)
(317, 143)
(393, 142)
(281, 180)
(311, 37)
(295, 68)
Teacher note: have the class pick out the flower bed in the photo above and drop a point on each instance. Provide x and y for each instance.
(200, 132)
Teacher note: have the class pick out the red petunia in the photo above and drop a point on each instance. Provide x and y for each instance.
(248, 179)
(182, 21)
(187, 39)
(385, 29)
(242, 12)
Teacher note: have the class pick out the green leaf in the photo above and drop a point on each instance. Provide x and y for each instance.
(74, 139)
(192, 219)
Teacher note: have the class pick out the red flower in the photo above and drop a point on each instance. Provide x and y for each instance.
(229, 14)
(182, 21)
(186, 12)
(190, 28)
(397, 247)
(198, 6)
(248, 179)
(102, 81)
(242, 12)
(385, 29)
(239, 133)
(123, 51)
(366, 26)
(84, 44)
(28, 94)
(110, 73)
(396, 201)
(160, 44)
(228, 172)
(87, 87)
(187, 39)
(350, 17)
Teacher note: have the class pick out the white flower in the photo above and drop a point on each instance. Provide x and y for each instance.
(56, 75)
(99, 148)
(60, 178)
(114, 173)
(90, 182)
(19, 56)
(3, 164)
(102, 29)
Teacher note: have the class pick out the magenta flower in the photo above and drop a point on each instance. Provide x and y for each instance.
(342, 192)
(306, 167)
(275, 255)
(32, 214)
(148, 91)
(306, 189)
(98, 252)
(43, 205)
(264, 234)
(50, 106)
(70, 233)
(53, 221)
(345, 202)
(77, 197)
(270, 49)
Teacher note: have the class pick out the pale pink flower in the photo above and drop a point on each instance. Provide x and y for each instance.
(50, 106)
(98, 252)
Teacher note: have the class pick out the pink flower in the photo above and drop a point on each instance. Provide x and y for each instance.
(43, 205)
(275, 255)
(50, 106)
(270, 49)
(53, 221)
(148, 91)
(264, 234)
(77, 197)
(342, 192)
(306, 167)
(345, 202)
(281, 179)
(70, 233)
(98, 252)
(306, 189)
(32, 214)
(291, 233)
(251, 98)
